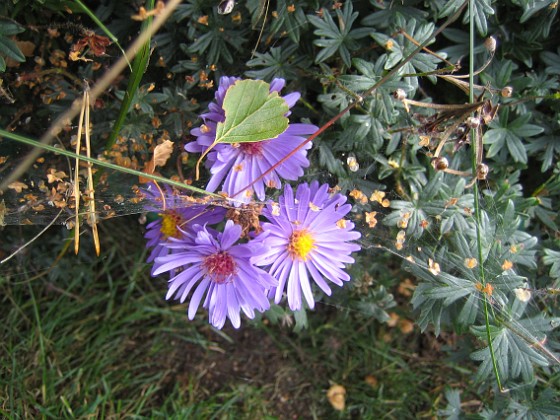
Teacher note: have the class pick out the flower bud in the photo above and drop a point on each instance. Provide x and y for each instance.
(400, 94)
(482, 171)
(490, 44)
(507, 91)
(473, 122)
(440, 163)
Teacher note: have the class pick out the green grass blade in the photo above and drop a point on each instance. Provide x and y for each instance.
(34, 143)
(101, 26)
(139, 66)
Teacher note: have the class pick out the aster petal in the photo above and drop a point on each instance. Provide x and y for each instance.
(302, 196)
(180, 279)
(231, 234)
(252, 294)
(218, 307)
(298, 129)
(277, 85)
(328, 258)
(265, 279)
(247, 310)
(294, 289)
(256, 169)
(196, 297)
(184, 292)
(332, 273)
(305, 285)
(217, 177)
(281, 275)
(336, 236)
(319, 194)
(318, 279)
(264, 259)
(326, 218)
(158, 251)
(342, 257)
(292, 98)
(281, 259)
(172, 261)
(232, 305)
(245, 291)
(289, 205)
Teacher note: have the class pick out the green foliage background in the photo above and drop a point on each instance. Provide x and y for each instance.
(87, 338)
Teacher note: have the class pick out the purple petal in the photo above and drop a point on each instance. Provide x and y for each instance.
(196, 297)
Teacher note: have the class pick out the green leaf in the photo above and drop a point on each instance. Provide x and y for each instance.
(9, 27)
(453, 409)
(276, 63)
(339, 37)
(253, 113)
(552, 60)
(10, 49)
(514, 347)
(552, 258)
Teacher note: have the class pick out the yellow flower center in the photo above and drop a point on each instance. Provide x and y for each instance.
(300, 245)
(170, 220)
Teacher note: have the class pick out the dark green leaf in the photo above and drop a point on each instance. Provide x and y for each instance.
(10, 49)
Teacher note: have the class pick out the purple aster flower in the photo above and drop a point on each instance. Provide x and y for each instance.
(175, 213)
(239, 165)
(211, 263)
(309, 240)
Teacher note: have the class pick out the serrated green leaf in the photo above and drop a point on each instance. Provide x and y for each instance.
(301, 320)
(533, 7)
(552, 258)
(253, 113)
(453, 409)
(516, 148)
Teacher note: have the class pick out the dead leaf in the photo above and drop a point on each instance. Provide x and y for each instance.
(162, 152)
(55, 176)
(406, 288)
(393, 319)
(75, 56)
(26, 47)
(406, 326)
(337, 397)
(371, 381)
(18, 186)
(2, 213)
(371, 219)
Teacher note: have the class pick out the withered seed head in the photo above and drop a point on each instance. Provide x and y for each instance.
(440, 163)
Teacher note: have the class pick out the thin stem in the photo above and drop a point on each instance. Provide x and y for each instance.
(108, 165)
(45, 374)
(477, 210)
(139, 66)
